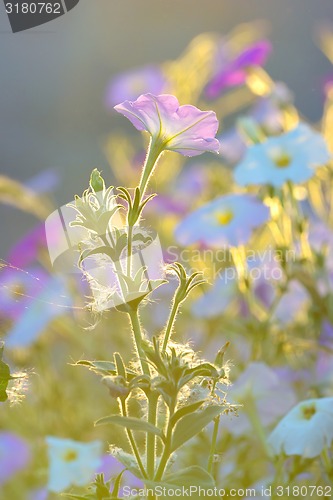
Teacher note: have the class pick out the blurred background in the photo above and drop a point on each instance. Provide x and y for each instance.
(54, 77)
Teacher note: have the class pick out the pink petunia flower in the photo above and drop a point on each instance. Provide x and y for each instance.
(184, 129)
(233, 71)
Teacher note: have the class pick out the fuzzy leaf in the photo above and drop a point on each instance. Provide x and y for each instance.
(185, 410)
(135, 424)
(190, 425)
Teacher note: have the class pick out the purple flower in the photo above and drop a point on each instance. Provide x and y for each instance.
(186, 188)
(184, 129)
(326, 335)
(27, 249)
(218, 298)
(233, 72)
(131, 84)
(14, 455)
(44, 181)
(111, 467)
(292, 303)
(261, 386)
(225, 221)
(40, 494)
(232, 146)
(18, 288)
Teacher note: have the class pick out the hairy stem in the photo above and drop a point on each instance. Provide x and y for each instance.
(213, 445)
(170, 323)
(167, 447)
(133, 443)
(129, 250)
(136, 328)
(154, 151)
(151, 442)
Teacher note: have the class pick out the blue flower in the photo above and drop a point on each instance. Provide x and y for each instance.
(292, 156)
(72, 462)
(226, 221)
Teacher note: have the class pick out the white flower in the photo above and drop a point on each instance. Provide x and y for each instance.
(306, 430)
(72, 462)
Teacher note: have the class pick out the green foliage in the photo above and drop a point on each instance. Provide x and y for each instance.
(5, 377)
(190, 425)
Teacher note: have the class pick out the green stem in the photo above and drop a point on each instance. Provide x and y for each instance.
(253, 416)
(132, 442)
(136, 328)
(327, 462)
(213, 445)
(151, 443)
(167, 447)
(170, 323)
(129, 250)
(154, 152)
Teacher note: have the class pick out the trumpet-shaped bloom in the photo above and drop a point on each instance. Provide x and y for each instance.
(72, 462)
(293, 156)
(184, 129)
(226, 221)
(306, 430)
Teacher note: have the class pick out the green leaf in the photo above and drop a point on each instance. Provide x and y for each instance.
(185, 410)
(116, 486)
(194, 476)
(100, 367)
(104, 368)
(135, 424)
(190, 425)
(5, 377)
(121, 370)
(100, 250)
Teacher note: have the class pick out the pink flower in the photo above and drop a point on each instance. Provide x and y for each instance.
(233, 70)
(184, 129)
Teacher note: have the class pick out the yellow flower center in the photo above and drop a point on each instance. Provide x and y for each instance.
(223, 218)
(308, 412)
(281, 158)
(70, 456)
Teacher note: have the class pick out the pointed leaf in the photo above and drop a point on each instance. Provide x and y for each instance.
(185, 410)
(135, 424)
(190, 425)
